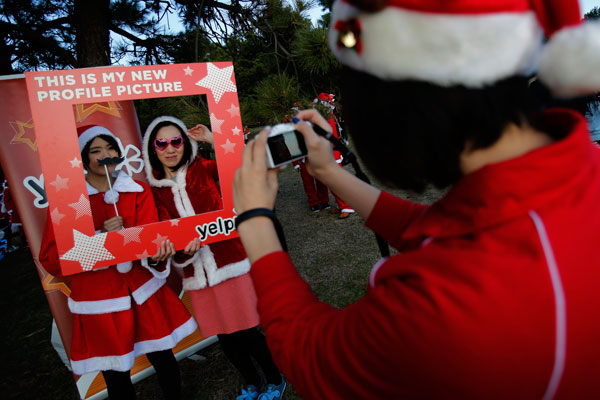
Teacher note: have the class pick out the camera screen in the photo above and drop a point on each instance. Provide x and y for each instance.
(287, 146)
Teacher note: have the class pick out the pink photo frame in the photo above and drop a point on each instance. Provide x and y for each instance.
(52, 96)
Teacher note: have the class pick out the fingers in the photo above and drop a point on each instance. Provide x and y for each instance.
(259, 150)
(165, 250)
(192, 247)
(314, 117)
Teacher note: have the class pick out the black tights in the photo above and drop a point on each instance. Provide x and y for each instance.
(241, 346)
(120, 387)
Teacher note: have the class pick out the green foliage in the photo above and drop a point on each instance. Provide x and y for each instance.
(594, 13)
(313, 54)
(275, 96)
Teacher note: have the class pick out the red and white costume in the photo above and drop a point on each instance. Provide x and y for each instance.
(494, 294)
(119, 312)
(221, 290)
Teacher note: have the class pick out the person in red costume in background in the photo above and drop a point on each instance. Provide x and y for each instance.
(317, 193)
(121, 311)
(493, 293)
(216, 275)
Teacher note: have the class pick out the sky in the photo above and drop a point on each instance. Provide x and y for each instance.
(587, 5)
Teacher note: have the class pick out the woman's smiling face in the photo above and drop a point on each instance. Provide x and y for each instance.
(100, 149)
(169, 156)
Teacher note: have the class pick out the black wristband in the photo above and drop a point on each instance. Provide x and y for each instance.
(255, 212)
(263, 212)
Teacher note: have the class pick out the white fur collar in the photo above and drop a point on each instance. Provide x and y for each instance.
(123, 184)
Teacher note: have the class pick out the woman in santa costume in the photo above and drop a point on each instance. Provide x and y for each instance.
(215, 275)
(493, 293)
(121, 311)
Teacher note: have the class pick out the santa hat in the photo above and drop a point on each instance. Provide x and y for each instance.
(87, 133)
(472, 43)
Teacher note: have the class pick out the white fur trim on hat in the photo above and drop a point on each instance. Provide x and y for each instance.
(89, 134)
(146, 145)
(570, 61)
(444, 49)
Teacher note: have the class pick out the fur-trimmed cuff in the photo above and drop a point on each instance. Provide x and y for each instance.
(157, 274)
(216, 275)
(570, 61)
(187, 262)
(198, 279)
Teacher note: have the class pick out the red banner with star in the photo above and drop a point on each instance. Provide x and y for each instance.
(19, 148)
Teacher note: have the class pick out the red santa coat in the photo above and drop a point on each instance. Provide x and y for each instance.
(121, 311)
(494, 294)
(214, 263)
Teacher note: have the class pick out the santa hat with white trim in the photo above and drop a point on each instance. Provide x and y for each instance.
(87, 133)
(473, 43)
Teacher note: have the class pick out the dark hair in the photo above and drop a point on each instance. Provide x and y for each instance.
(155, 162)
(411, 133)
(85, 157)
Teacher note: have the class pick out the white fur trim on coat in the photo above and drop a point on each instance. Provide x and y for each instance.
(216, 275)
(198, 281)
(99, 306)
(570, 61)
(115, 363)
(146, 146)
(123, 184)
(167, 342)
(124, 267)
(144, 292)
(444, 49)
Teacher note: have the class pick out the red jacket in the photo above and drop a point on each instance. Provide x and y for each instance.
(195, 191)
(493, 295)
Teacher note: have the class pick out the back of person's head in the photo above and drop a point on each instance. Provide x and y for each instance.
(424, 80)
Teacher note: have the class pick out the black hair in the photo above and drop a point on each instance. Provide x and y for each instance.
(411, 133)
(85, 157)
(155, 162)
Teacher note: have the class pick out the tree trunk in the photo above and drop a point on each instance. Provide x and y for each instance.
(91, 23)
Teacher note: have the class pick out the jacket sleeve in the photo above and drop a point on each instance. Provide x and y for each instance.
(145, 208)
(391, 216)
(48, 255)
(328, 353)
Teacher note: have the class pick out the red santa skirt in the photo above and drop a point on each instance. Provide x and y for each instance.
(111, 341)
(227, 307)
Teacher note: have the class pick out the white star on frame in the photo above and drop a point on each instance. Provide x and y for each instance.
(131, 234)
(216, 123)
(75, 163)
(218, 81)
(82, 207)
(236, 131)
(228, 146)
(60, 183)
(188, 71)
(88, 250)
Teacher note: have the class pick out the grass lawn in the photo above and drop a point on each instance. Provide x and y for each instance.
(335, 256)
